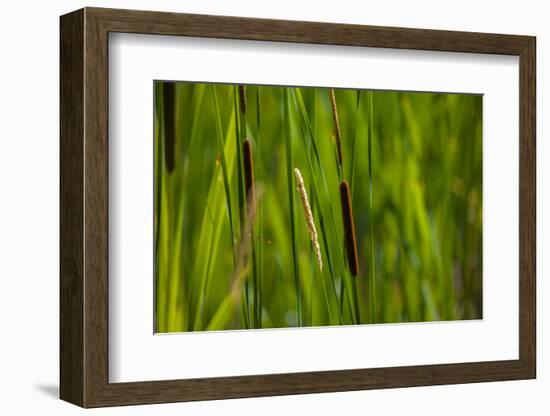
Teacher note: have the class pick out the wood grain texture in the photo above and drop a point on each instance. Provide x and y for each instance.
(96, 207)
(71, 208)
(84, 207)
(225, 27)
(527, 208)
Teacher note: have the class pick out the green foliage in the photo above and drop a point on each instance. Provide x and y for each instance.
(414, 164)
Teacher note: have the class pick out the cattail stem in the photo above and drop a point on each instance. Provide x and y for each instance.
(337, 133)
(248, 167)
(169, 111)
(309, 217)
(349, 228)
(245, 311)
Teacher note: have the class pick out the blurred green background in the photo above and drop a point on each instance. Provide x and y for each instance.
(413, 162)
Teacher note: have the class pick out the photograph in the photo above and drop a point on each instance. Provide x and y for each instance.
(270, 204)
(285, 206)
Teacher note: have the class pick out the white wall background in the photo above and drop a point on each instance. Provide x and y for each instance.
(29, 159)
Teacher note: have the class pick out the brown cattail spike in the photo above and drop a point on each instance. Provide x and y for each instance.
(337, 134)
(169, 112)
(242, 97)
(248, 167)
(349, 228)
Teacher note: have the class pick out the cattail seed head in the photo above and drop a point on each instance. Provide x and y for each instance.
(350, 241)
(248, 167)
(169, 112)
(309, 217)
(337, 133)
(242, 98)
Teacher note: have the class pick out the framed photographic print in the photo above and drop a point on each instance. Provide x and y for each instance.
(255, 207)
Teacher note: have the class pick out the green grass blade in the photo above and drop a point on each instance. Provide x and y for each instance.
(354, 144)
(371, 216)
(226, 186)
(291, 200)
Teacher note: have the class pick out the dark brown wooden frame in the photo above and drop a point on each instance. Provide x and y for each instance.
(84, 207)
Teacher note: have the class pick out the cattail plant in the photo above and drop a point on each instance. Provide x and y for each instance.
(349, 228)
(337, 134)
(309, 217)
(248, 167)
(220, 263)
(242, 98)
(169, 110)
(242, 269)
